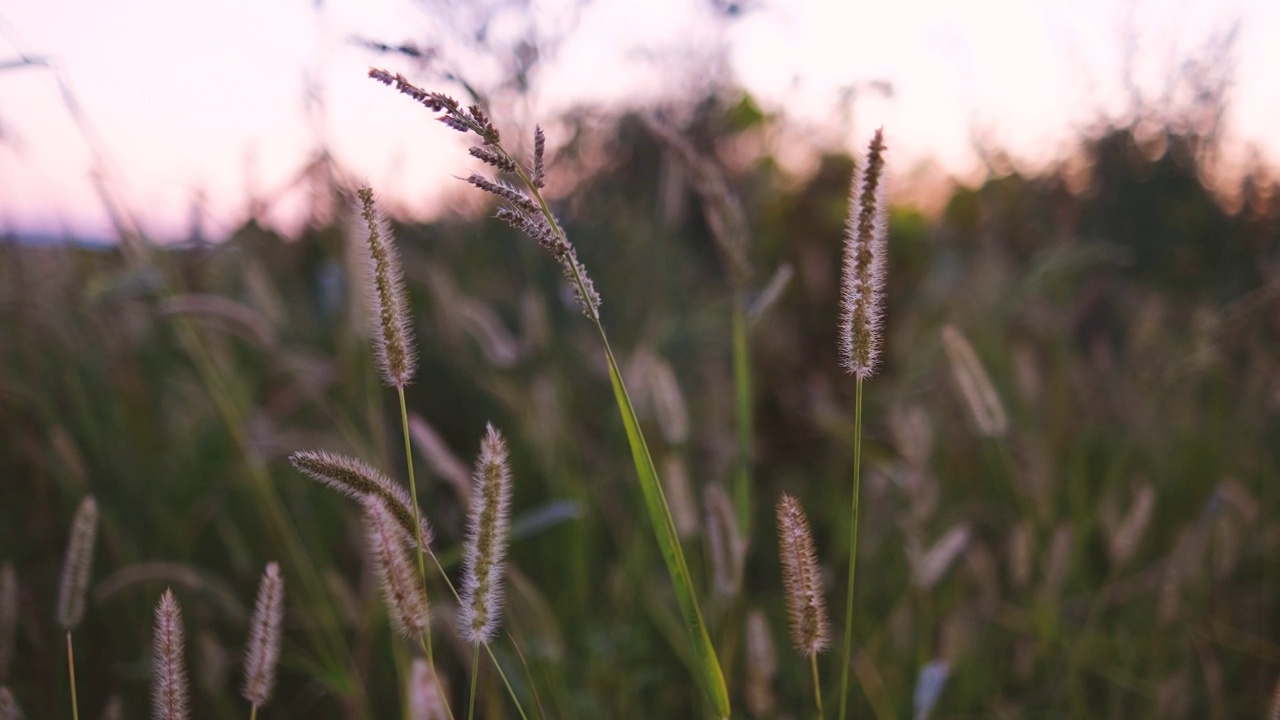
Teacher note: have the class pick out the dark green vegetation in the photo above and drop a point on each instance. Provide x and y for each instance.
(1128, 322)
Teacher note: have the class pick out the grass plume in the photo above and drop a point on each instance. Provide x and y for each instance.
(393, 336)
(485, 551)
(169, 693)
(974, 385)
(263, 653)
(862, 277)
(401, 589)
(77, 564)
(358, 480)
(806, 607)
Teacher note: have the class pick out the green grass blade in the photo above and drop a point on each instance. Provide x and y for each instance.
(665, 530)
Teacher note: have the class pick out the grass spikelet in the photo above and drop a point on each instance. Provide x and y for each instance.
(929, 568)
(358, 480)
(8, 706)
(974, 384)
(401, 589)
(169, 678)
(728, 547)
(486, 547)
(803, 584)
(862, 278)
(539, 178)
(1128, 535)
(393, 337)
(425, 699)
(762, 665)
(77, 564)
(263, 652)
(8, 616)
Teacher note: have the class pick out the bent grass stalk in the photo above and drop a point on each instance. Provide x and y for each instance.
(547, 232)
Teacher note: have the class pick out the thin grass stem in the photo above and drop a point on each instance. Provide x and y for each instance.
(743, 414)
(853, 549)
(817, 687)
(417, 519)
(475, 671)
(71, 671)
(253, 712)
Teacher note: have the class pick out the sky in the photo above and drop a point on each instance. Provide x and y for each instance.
(166, 101)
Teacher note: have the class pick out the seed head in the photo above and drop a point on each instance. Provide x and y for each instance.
(169, 680)
(393, 339)
(401, 586)
(974, 384)
(862, 282)
(426, 693)
(539, 153)
(728, 547)
(486, 546)
(263, 653)
(77, 564)
(803, 584)
(357, 480)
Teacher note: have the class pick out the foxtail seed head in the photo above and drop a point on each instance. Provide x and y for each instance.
(169, 680)
(862, 279)
(76, 565)
(486, 547)
(393, 338)
(263, 653)
(974, 384)
(426, 693)
(401, 587)
(357, 480)
(803, 584)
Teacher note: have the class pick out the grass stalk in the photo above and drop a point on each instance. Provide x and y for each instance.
(71, 671)
(475, 672)
(817, 687)
(417, 518)
(853, 551)
(744, 420)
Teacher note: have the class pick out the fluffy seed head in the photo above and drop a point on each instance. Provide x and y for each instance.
(762, 665)
(169, 679)
(728, 547)
(1126, 538)
(8, 706)
(539, 153)
(357, 480)
(426, 693)
(393, 338)
(928, 569)
(486, 547)
(862, 280)
(76, 565)
(974, 384)
(8, 615)
(803, 584)
(263, 653)
(401, 586)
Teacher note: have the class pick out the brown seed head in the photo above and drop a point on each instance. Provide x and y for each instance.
(77, 564)
(401, 586)
(169, 679)
(357, 480)
(865, 250)
(487, 536)
(263, 652)
(803, 584)
(393, 342)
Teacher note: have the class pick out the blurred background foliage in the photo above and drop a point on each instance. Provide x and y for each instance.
(1114, 555)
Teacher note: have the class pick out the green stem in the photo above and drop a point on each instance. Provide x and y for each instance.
(475, 671)
(743, 415)
(817, 687)
(853, 550)
(417, 519)
(253, 713)
(71, 670)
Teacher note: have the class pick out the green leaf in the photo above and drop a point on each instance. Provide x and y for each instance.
(664, 529)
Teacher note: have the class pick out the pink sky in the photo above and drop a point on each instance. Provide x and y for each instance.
(208, 97)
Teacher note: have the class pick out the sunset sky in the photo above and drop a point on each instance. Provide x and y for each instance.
(208, 98)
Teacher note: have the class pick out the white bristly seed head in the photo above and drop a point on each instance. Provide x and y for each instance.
(169, 679)
(263, 653)
(77, 564)
(486, 547)
(862, 279)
